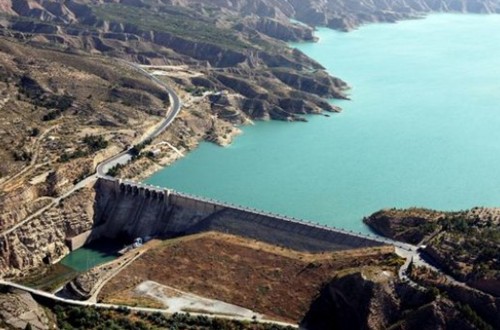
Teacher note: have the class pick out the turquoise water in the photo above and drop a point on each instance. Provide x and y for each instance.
(422, 129)
(91, 255)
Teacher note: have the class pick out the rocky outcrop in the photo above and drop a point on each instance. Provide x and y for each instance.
(42, 240)
(355, 301)
(18, 204)
(18, 309)
(318, 83)
(410, 225)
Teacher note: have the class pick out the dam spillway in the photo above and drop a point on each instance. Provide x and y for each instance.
(125, 210)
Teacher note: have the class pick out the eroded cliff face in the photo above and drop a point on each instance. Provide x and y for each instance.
(18, 309)
(346, 14)
(246, 35)
(42, 240)
(367, 300)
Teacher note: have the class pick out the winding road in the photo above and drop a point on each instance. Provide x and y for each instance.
(175, 107)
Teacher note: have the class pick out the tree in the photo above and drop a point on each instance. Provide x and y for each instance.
(52, 181)
(95, 142)
(35, 131)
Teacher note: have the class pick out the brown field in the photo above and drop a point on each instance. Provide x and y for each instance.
(274, 281)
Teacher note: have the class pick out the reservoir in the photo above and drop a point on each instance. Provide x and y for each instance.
(422, 129)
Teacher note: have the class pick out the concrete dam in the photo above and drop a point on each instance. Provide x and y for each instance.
(126, 210)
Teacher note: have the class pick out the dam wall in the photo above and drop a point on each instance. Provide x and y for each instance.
(127, 210)
(78, 241)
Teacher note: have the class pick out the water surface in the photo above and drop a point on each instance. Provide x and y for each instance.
(422, 129)
(91, 255)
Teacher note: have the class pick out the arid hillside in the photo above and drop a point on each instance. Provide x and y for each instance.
(61, 114)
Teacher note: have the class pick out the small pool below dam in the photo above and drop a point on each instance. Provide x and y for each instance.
(92, 255)
(52, 277)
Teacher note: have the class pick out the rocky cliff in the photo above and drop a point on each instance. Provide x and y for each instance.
(368, 300)
(42, 240)
(18, 309)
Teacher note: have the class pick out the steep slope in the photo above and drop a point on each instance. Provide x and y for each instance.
(366, 301)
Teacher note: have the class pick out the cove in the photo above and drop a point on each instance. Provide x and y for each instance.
(422, 129)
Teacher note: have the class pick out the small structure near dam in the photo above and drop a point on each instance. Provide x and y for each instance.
(126, 210)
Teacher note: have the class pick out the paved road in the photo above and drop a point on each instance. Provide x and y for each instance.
(136, 309)
(175, 107)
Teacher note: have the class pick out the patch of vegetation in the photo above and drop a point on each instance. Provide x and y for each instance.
(135, 151)
(115, 170)
(35, 132)
(465, 240)
(36, 95)
(465, 244)
(394, 260)
(172, 20)
(31, 89)
(52, 115)
(93, 143)
(196, 90)
(71, 317)
(472, 317)
(66, 157)
(86, 173)
(22, 155)
(51, 184)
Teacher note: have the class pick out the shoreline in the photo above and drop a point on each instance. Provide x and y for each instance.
(408, 202)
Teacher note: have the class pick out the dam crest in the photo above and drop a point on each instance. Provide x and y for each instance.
(125, 210)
